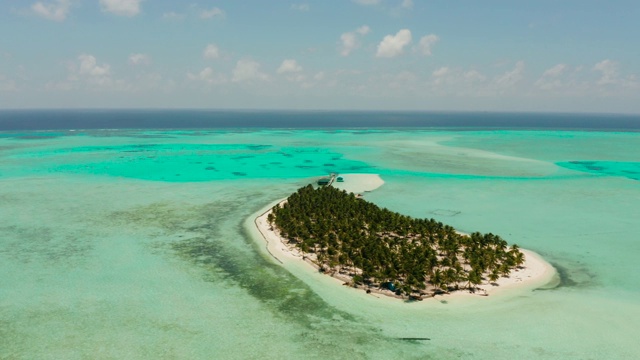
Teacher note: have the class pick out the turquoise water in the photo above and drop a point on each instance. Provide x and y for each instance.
(606, 168)
(133, 244)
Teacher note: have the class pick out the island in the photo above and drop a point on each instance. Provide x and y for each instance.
(380, 251)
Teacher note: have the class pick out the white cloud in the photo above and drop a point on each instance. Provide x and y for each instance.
(449, 75)
(211, 52)
(451, 81)
(611, 77)
(349, 40)
(289, 66)
(139, 59)
(443, 71)
(173, 16)
(88, 70)
(551, 78)
(349, 43)
(121, 7)
(194, 11)
(56, 11)
(564, 80)
(392, 46)
(474, 75)
(89, 66)
(363, 30)
(555, 71)
(247, 70)
(407, 4)
(301, 7)
(211, 13)
(609, 70)
(426, 42)
(206, 75)
(512, 77)
(367, 2)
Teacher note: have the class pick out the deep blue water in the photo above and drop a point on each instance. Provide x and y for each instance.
(17, 120)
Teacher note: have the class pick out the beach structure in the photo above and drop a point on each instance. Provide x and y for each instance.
(324, 181)
(340, 179)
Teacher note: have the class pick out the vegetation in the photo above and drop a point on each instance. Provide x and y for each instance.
(380, 248)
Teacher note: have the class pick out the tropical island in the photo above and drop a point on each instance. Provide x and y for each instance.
(381, 251)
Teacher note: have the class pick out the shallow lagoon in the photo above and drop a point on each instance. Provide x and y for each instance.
(133, 244)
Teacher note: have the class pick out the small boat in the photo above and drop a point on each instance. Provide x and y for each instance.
(340, 179)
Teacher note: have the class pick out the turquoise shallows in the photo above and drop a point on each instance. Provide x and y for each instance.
(630, 170)
(132, 244)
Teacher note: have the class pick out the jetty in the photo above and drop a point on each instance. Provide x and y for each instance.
(327, 180)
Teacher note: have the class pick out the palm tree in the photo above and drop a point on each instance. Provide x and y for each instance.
(347, 233)
(494, 275)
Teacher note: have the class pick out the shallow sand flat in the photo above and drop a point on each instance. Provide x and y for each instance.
(359, 183)
(534, 273)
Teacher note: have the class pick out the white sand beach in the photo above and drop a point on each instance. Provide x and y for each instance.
(359, 183)
(534, 273)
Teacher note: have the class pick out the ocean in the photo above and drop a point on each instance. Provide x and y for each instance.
(127, 234)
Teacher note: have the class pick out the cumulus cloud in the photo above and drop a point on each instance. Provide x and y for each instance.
(56, 11)
(88, 70)
(211, 52)
(446, 74)
(426, 42)
(474, 76)
(139, 59)
(211, 13)
(511, 77)
(393, 45)
(289, 66)
(206, 75)
(172, 15)
(609, 71)
(459, 82)
(349, 40)
(121, 7)
(363, 30)
(367, 2)
(612, 79)
(248, 70)
(443, 71)
(301, 7)
(551, 78)
(89, 66)
(555, 71)
(407, 4)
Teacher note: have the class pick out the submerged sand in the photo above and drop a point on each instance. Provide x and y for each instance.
(534, 273)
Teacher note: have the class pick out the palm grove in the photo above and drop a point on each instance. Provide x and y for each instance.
(384, 249)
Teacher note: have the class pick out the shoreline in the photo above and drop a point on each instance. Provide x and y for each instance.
(534, 273)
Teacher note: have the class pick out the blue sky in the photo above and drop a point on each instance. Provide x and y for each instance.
(542, 55)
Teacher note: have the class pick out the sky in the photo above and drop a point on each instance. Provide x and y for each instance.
(451, 55)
